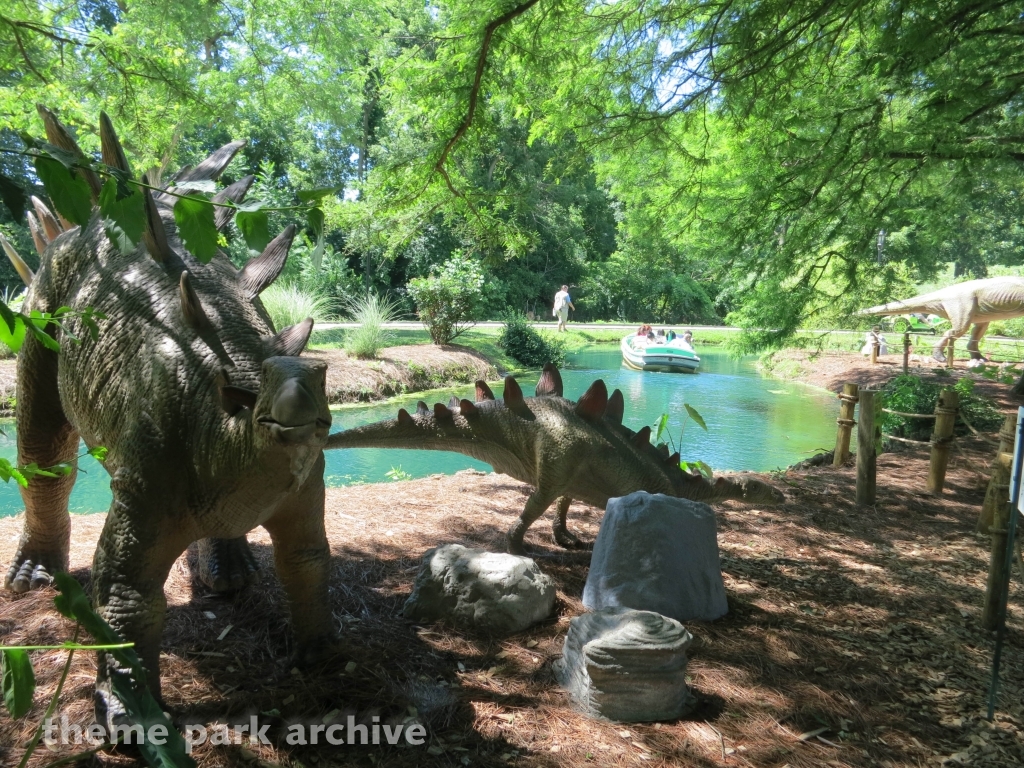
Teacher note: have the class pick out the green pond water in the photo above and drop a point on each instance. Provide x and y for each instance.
(753, 423)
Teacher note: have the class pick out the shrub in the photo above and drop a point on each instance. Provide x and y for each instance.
(911, 394)
(446, 299)
(521, 341)
(289, 304)
(371, 312)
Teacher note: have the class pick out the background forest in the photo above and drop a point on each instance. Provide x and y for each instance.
(770, 164)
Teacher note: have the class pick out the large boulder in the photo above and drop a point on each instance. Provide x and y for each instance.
(484, 591)
(657, 553)
(625, 665)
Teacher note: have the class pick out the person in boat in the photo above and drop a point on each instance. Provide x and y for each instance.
(872, 337)
(688, 337)
(670, 335)
(642, 332)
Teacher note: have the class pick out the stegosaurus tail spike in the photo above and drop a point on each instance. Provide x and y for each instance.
(421, 408)
(616, 407)
(234, 193)
(441, 412)
(260, 272)
(404, 418)
(24, 271)
(453, 402)
(483, 392)
(673, 460)
(466, 408)
(550, 383)
(58, 135)
(51, 227)
(663, 449)
(594, 401)
(513, 394)
(110, 145)
(38, 238)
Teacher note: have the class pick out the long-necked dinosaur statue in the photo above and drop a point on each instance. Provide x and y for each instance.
(213, 422)
(976, 302)
(565, 450)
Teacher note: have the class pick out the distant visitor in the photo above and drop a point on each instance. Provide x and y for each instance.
(872, 337)
(563, 302)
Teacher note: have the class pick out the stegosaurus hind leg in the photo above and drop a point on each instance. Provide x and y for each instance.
(536, 505)
(45, 438)
(227, 565)
(563, 536)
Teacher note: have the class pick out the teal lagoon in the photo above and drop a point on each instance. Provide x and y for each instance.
(753, 423)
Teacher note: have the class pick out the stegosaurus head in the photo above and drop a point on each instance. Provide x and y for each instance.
(235, 357)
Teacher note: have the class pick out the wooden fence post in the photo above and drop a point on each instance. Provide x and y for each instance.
(867, 436)
(848, 401)
(942, 439)
(999, 485)
(998, 563)
(906, 353)
(950, 354)
(875, 348)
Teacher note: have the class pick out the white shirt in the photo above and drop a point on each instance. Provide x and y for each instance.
(560, 299)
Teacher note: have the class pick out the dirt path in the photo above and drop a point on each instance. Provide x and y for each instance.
(397, 370)
(857, 625)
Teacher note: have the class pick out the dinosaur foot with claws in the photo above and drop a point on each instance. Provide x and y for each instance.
(33, 566)
(227, 565)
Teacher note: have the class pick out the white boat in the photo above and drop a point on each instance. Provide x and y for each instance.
(641, 354)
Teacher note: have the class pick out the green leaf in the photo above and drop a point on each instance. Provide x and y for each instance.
(19, 682)
(68, 192)
(14, 197)
(692, 412)
(255, 228)
(8, 317)
(194, 216)
(312, 195)
(123, 217)
(130, 689)
(13, 339)
(705, 470)
(41, 335)
(99, 452)
(662, 423)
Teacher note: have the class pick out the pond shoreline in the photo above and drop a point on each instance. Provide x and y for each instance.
(395, 371)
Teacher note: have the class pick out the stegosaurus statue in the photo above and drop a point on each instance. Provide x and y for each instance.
(565, 450)
(213, 423)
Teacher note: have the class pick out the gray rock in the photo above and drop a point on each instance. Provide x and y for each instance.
(486, 591)
(625, 665)
(657, 553)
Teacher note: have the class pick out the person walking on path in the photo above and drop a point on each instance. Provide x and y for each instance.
(562, 305)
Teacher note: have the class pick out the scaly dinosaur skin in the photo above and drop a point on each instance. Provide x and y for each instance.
(976, 302)
(565, 450)
(213, 423)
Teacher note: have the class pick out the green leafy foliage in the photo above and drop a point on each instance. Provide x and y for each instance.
(194, 217)
(911, 394)
(522, 342)
(124, 215)
(131, 689)
(447, 298)
(67, 190)
(254, 224)
(19, 681)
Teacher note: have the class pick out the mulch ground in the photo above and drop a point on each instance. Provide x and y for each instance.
(852, 639)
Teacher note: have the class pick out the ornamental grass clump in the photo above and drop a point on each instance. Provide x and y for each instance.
(290, 304)
(371, 312)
